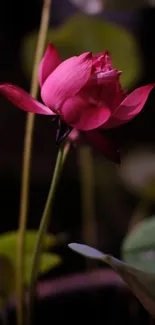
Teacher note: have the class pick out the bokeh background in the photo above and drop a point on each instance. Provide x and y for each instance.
(127, 31)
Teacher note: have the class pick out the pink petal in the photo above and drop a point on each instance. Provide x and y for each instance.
(108, 76)
(133, 104)
(66, 80)
(108, 93)
(74, 135)
(83, 116)
(49, 63)
(111, 94)
(103, 145)
(102, 61)
(112, 123)
(23, 100)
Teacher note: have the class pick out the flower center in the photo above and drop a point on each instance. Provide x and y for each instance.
(102, 63)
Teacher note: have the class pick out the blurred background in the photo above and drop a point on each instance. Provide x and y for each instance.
(124, 195)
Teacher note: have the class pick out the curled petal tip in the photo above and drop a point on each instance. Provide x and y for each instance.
(85, 56)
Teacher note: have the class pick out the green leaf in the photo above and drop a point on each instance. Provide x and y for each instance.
(138, 247)
(82, 33)
(8, 249)
(141, 283)
(48, 262)
(8, 242)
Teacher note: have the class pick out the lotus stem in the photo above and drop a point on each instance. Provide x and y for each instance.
(24, 201)
(62, 155)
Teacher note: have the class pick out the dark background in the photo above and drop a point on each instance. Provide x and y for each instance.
(15, 23)
(17, 18)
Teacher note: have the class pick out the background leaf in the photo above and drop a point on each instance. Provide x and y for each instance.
(138, 247)
(141, 283)
(8, 242)
(8, 247)
(48, 262)
(82, 33)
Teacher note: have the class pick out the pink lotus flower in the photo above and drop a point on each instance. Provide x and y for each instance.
(82, 92)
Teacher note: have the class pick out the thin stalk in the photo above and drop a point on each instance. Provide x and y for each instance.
(26, 163)
(89, 230)
(62, 154)
(66, 151)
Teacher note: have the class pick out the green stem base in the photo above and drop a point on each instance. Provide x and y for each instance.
(43, 229)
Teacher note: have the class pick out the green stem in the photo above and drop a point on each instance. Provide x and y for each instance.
(24, 201)
(43, 228)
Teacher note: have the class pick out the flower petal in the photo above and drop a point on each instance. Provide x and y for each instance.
(74, 136)
(108, 93)
(129, 107)
(83, 116)
(49, 63)
(23, 100)
(104, 77)
(103, 145)
(111, 95)
(66, 80)
(112, 123)
(102, 62)
(133, 103)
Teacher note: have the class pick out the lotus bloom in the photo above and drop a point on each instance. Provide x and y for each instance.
(82, 92)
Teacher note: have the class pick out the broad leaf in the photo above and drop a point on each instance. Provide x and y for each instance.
(8, 250)
(48, 262)
(141, 283)
(138, 247)
(9, 240)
